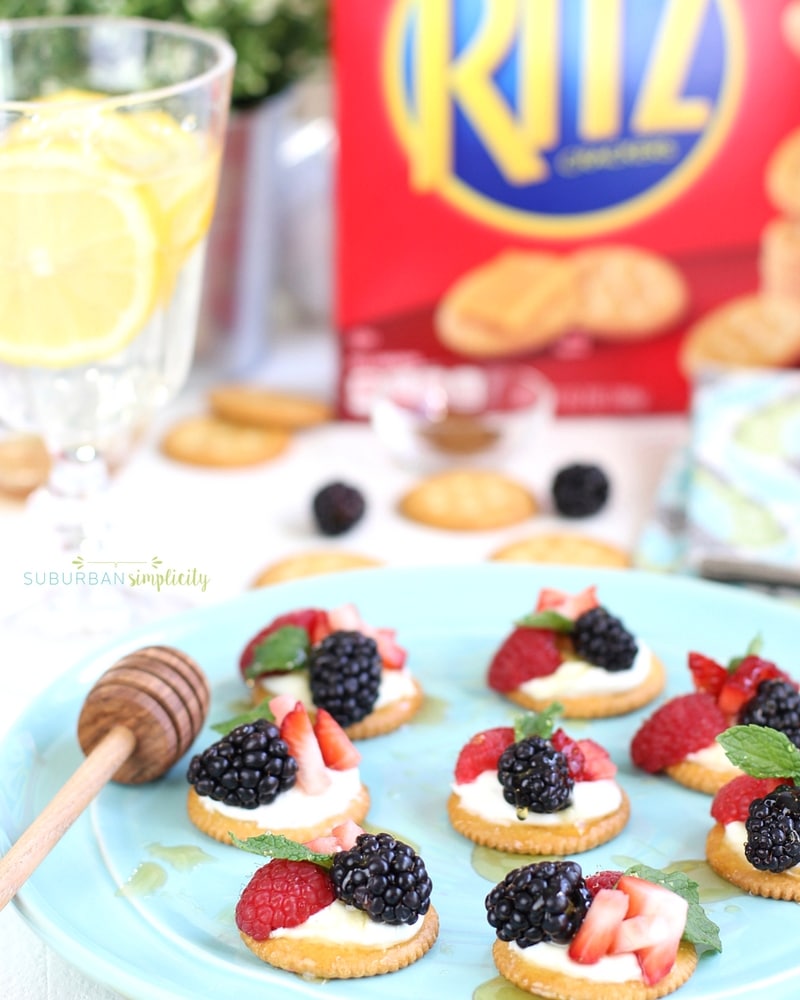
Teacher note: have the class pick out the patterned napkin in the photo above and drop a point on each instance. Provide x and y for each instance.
(729, 506)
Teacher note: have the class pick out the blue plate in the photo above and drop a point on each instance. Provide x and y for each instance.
(174, 936)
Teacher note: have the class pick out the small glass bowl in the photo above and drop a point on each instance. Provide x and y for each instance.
(435, 416)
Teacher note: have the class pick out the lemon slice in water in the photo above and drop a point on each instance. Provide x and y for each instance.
(79, 272)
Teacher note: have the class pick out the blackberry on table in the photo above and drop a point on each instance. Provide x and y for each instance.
(384, 877)
(776, 704)
(337, 507)
(580, 490)
(248, 768)
(603, 640)
(773, 830)
(535, 776)
(344, 671)
(546, 901)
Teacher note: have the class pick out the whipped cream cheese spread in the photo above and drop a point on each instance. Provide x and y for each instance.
(577, 677)
(736, 836)
(590, 800)
(713, 757)
(339, 923)
(395, 685)
(294, 807)
(609, 969)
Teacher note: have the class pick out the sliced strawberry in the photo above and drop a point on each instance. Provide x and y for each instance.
(569, 605)
(348, 619)
(651, 900)
(482, 753)
(707, 674)
(393, 655)
(602, 880)
(323, 845)
(526, 653)
(679, 727)
(280, 706)
(596, 762)
(282, 894)
(298, 734)
(313, 620)
(642, 931)
(742, 684)
(347, 833)
(569, 747)
(337, 748)
(732, 801)
(600, 926)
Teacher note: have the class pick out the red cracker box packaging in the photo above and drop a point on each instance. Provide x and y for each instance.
(607, 188)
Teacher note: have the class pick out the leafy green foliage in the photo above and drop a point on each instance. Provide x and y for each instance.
(546, 619)
(275, 845)
(761, 752)
(537, 723)
(285, 649)
(257, 712)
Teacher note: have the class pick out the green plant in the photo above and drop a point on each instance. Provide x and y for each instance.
(276, 41)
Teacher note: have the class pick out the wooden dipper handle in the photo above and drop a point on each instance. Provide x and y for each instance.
(137, 721)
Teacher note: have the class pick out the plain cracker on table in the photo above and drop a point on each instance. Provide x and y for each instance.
(212, 442)
(24, 465)
(557, 985)
(518, 301)
(468, 500)
(256, 406)
(323, 961)
(751, 331)
(521, 838)
(313, 564)
(562, 548)
(627, 293)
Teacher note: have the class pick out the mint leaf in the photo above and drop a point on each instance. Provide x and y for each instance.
(537, 723)
(761, 752)
(275, 845)
(700, 930)
(285, 649)
(546, 619)
(258, 712)
(754, 649)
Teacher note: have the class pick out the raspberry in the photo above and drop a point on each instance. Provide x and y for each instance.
(526, 653)
(602, 880)
(337, 508)
(580, 490)
(282, 894)
(732, 801)
(482, 753)
(679, 727)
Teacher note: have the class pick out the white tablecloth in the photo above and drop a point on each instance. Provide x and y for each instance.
(230, 525)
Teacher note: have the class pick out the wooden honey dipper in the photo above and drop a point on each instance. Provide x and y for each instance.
(139, 718)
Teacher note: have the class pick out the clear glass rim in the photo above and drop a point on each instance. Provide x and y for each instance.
(225, 54)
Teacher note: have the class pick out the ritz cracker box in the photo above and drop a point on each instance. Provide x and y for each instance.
(607, 189)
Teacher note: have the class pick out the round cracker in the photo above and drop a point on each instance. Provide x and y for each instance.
(312, 564)
(752, 330)
(626, 293)
(730, 865)
(562, 548)
(702, 779)
(522, 838)
(215, 825)
(382, 720)
(783, 175)
(210, 441)
(256, 406)
(24, 464)
(468, 500)
(562, 986)
(517, 301)
(345, 961)
(600, 706)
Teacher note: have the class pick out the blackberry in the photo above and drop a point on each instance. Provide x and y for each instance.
(337, 508)
(383, 877)
(603, 640)
(776, 704)
(580, 490)
(773, 830)
(546, 901)
(248, 768)
(535, 776)
(344, 671)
